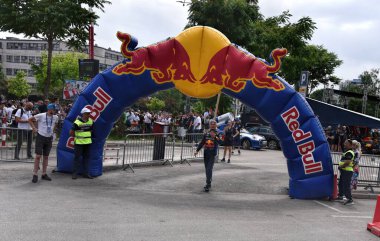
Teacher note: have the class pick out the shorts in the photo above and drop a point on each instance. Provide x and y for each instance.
(43, 145)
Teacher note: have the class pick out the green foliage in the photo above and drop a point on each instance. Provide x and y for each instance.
(155, 104)
(64, 67)
(371, 82)
(49, 20)
(225, 103)
(18, 85)
(3, 82)
(317, 94)
(198, 107)
(317, 60)
(174, 100)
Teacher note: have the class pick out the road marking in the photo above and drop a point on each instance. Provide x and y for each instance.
(336, 216)
(332, 208)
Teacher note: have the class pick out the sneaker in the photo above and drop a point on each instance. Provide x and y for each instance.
(17, 158)
(340, 199)
(206, 188)
(349, 202)
(74, 176)
(45, 177)
(87, 176)
(239, 152)
(30, 157)
(228, 161)
(35, 178)
(223, 160)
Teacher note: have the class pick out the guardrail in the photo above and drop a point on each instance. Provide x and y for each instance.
(163, 147)
(369, 170)
(16, 144)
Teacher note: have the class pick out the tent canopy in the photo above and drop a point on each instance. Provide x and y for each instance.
(333, 115)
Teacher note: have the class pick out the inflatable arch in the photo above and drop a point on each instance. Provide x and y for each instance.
(201, 62)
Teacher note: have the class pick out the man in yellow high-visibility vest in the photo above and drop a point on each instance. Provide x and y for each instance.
(346, 165)
(81, 131)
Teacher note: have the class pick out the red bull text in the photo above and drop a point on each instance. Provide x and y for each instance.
(290, 117)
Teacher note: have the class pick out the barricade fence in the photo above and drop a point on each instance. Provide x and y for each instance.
(163, 147)
(369, 170)
(16, 144)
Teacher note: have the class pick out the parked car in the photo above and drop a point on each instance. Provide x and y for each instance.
(249, 140)
(267, 132)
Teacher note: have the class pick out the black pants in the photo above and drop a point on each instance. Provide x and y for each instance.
(345, 184)
(23, 134)
(82, 153)
(209, 158)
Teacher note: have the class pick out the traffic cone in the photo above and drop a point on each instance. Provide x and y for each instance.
(374, 227)
(335, 188)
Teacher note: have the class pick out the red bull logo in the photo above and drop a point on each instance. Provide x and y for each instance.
(200, 68)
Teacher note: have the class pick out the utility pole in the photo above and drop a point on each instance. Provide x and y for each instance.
(365, 98)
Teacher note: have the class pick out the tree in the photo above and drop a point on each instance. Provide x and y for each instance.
(317, 94)
(63, 67)
(3, 82)
(174, 100)
(317, 60)
(18, 85)
(63, 20)
(155, 104)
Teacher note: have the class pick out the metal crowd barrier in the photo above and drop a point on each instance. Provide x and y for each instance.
(10, 138)
(165, 147)
(369, 170)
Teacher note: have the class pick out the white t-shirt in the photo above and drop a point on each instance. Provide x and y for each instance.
(148, 118)
(197, 121)
(25, 116)
(9, 113)
(46, 124)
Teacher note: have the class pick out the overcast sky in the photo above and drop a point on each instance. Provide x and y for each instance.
(350, 28)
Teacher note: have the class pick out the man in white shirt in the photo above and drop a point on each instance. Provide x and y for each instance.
(9, 110)
(47, 123)
(148, 122)
(24, 131)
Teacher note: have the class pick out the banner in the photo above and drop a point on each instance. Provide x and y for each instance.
(73, 88)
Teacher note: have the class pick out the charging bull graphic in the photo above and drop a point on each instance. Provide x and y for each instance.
(201, 62)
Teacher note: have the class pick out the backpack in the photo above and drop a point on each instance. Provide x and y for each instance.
(14, 123)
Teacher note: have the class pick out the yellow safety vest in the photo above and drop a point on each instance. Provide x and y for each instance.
(83, 135)
(351, 165)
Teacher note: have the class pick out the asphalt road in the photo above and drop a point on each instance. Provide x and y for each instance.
(248, 201)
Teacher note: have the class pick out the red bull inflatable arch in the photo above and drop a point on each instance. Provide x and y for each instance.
(200, 62)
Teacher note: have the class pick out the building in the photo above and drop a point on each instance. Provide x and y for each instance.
(18, 54)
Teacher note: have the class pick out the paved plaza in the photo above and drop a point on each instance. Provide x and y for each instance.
(248, 201)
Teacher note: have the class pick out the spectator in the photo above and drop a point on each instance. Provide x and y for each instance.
(358, 152)
(46, 126)
(43, 108)
(24, 130)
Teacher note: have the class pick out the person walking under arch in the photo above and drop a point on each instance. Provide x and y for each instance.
(210, 143)
(346, 165)
(82, 133)
(229, 135)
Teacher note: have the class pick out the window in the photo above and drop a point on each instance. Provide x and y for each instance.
(16, 59)
(9, 58)
(30, 73)
(9, 71)
(32, 59)
(1, 59)
(38, 60)
(24, 59)
(1, 45)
